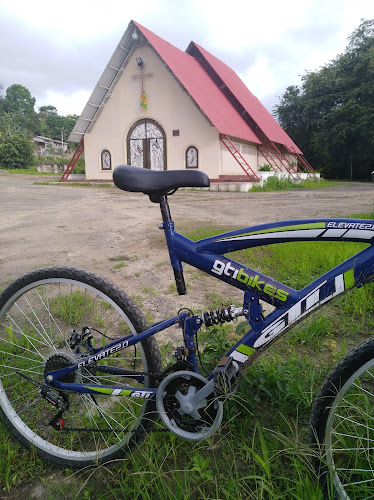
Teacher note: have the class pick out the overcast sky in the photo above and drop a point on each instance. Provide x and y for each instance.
(58, 50)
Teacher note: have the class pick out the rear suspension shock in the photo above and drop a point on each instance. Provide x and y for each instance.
(224, 315)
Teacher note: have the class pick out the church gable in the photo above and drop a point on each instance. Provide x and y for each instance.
(150, 112)
(185, 68)
(156, 106)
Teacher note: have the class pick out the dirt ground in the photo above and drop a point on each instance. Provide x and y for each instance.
(115, 234)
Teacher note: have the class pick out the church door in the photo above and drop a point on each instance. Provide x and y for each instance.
(146, 145)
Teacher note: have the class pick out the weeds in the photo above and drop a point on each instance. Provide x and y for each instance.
(149, 289)
(118, 265)
(274, 183)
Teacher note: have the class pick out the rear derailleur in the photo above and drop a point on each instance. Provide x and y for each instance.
(59, 400)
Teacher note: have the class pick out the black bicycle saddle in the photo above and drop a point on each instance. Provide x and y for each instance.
(157, 182)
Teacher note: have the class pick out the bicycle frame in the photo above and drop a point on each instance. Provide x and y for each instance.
(290, 305)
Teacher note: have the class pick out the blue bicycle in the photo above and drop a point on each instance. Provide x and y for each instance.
(81, 377)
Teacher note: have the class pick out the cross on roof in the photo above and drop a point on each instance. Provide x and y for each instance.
(141, 75)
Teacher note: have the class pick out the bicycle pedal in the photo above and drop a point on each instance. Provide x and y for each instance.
(181, 353)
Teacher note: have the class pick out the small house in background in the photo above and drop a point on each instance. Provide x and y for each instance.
(47, 146)
(158, 107)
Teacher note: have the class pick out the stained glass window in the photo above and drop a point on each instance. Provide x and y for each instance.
(192, 157)
(106, 160)
(146, 145)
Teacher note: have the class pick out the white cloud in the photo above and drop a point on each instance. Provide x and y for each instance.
(58, 51)
(73, 20)
(65, 102)
(259, 78)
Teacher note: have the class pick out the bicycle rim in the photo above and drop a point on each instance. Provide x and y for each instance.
(35, 326)
(349, 437)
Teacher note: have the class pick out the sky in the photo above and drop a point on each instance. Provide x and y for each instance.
(58, 50)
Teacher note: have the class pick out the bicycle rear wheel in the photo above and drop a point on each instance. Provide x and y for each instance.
(38, 313)
(342, 426)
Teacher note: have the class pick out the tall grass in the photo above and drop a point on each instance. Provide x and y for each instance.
(275, 183)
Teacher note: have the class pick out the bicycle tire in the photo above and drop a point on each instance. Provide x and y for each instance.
(37, 314)
(342, 430)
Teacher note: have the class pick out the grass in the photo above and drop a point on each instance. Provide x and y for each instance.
(261, 449)
(31, 171)
(74, 184)
(150, 290)
(273, 183)
(118, 265)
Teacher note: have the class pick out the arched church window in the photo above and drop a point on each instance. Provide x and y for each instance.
(106, 160)
(146, 145)
(192, 157)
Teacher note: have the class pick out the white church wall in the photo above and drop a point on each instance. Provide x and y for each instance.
(229, 164)
(168, 104)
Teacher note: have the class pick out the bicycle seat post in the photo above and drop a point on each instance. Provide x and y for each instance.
(168, 227)
(165, 210)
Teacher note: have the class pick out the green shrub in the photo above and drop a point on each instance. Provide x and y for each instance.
(273, 183)
(266, 168)
(16, 152)
(53, 159)
(80, 167)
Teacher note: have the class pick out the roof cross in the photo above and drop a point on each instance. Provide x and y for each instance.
(141, 75)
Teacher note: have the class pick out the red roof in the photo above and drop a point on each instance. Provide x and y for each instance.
(260, 115)
(212, 100)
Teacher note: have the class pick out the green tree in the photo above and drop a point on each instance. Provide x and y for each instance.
(53, 125)
(69, 122)
(14, 124)
(331, 115)
(17, 116)
(48, 110)
(19, 100)
(1, 99)
(16, 152)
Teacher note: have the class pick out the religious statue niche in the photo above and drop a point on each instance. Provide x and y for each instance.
(146, 145)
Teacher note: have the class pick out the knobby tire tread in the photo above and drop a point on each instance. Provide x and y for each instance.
(338, 376)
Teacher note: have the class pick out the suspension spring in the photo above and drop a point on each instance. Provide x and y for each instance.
(224, 315)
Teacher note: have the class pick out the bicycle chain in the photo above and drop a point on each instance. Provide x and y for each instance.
(84, 429)
(87, 429)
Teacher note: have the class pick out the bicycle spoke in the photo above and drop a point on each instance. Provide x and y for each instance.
(354, 437)
(355, 422)
(36, 332)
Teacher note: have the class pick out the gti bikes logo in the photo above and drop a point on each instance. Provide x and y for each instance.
(303, 307)
(253, 281)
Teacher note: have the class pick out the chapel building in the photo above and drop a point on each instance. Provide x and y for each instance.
(158, 107)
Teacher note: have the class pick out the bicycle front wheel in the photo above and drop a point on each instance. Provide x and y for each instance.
(342, 426)
(38, 314)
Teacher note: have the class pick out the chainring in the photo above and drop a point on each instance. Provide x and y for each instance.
(182, 409)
